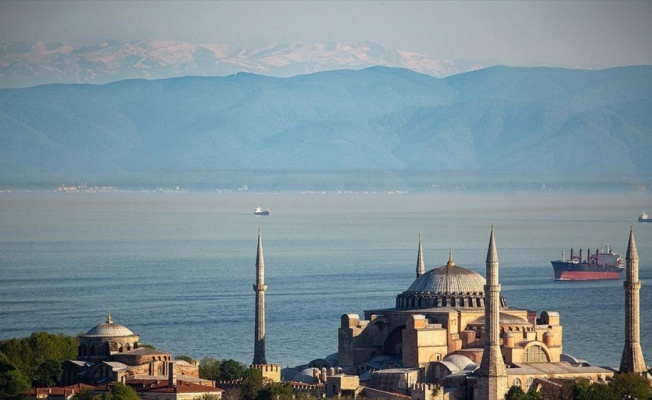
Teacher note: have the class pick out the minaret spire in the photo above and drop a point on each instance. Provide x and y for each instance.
(260, 288)
(108, 318)
(421, 266)
(632, 359)
(492, 382)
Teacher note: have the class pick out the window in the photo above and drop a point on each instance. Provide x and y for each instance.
(535, 354)
(529, 382)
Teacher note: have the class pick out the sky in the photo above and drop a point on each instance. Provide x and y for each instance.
(581, 34)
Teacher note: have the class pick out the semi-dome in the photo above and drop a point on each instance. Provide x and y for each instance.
(459, 360)
(109, 329)
(504, 319)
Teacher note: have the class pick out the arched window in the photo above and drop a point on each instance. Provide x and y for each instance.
(535, 354)
(516, 382)
(529, 383)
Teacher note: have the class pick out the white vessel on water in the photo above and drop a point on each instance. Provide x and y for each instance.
(260, 211)
(644, 218)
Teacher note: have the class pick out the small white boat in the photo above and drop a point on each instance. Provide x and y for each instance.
(260, 211)
(644, 218)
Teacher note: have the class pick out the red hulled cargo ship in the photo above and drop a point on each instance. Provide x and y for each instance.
(603, 264)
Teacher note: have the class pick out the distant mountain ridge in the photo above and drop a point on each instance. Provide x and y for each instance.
(24, 64)
(389, 125)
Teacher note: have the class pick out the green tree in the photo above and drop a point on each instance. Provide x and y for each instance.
(516, 393)
(19, 354)
(123, 392)
(28, 354)
(231, 370)
(12, 381)
(48, 373)
(581, 389)
(209, 368)
(601, 391)
(251, 384)
(85, 394)
(49, 346)
(630, 384)
(118, 392)
(276, 391)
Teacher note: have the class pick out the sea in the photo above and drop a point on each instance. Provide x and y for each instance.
(177, 267)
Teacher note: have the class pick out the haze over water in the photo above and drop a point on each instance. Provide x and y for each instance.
(178, 268)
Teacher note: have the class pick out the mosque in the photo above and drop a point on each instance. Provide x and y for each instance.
(452, 328)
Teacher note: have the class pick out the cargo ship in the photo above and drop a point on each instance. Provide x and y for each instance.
(603, 264)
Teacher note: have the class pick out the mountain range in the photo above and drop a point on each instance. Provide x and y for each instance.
(371, 128)
(24, 64)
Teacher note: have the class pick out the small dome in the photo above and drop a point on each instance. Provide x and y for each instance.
(307, 376)
(459, 360)
(449, 279)
(109, 329)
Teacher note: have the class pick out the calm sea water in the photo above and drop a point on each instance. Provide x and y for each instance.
(178, 268)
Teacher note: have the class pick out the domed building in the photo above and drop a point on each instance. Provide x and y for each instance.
(106, 339)
(436, 332)
(443, 313)
(110, 352)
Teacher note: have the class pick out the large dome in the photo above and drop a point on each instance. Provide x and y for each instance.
(446, 286)
(449, 279)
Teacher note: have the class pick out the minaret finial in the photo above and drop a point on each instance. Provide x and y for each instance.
(260, 260)
(108, 318)
(632, 251)
(492, 254)
(421, 266)
(450, 263)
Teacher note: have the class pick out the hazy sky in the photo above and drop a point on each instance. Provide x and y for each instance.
(568, 33)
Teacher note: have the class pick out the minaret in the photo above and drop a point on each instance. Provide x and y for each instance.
(492, 375)
(632, 360)
(259, 288)
(421, 267)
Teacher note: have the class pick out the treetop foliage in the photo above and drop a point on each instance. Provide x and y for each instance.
(33, 361)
